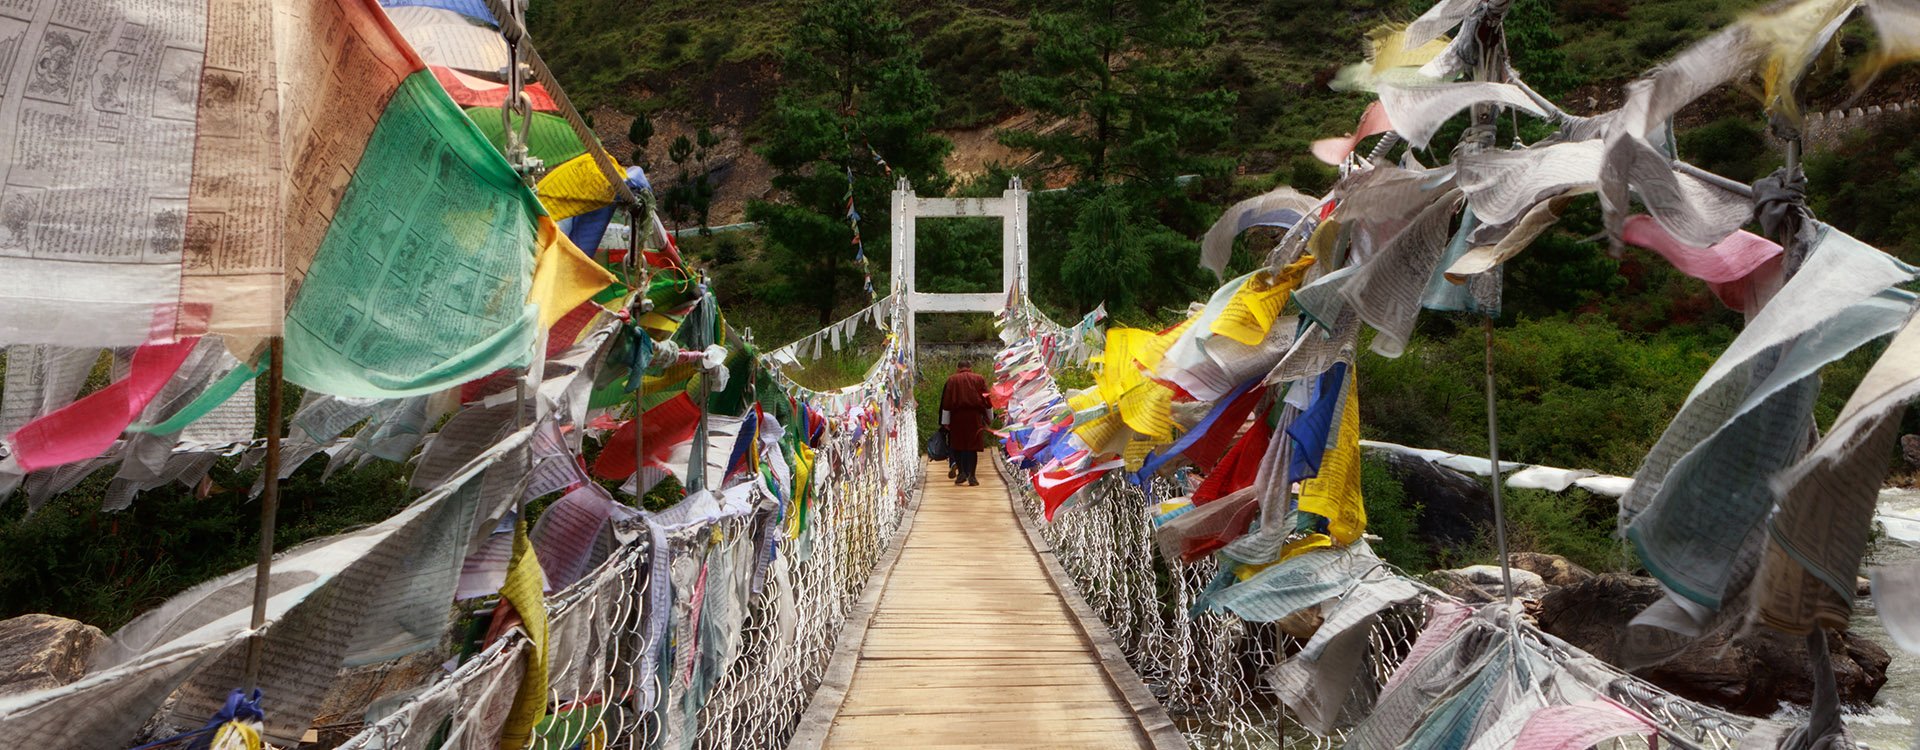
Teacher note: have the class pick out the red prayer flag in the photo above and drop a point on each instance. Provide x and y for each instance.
(1055, 496)
(1239, 468)
(1206, 452)
(88, 427)
(472, 91)
(1000, 394)
(1056, 486)
(1210, 538)
(663, 427)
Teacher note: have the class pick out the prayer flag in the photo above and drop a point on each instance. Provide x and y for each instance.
(575, 187)
(663, 427)
(425, 241)
(471, 91)
(142, 176)
(1335, 493)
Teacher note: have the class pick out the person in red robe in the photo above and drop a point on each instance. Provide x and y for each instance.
(963, 410)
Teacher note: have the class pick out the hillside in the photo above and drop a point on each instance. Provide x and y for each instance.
(1599, 351)
(716, 63)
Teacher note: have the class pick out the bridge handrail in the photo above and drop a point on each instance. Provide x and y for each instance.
(1208, 668)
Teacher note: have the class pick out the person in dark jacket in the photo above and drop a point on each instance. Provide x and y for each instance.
(963, 410)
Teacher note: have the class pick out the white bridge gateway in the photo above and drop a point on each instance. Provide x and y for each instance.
(908, 209)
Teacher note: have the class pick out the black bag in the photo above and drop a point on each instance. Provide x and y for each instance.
(937, 447)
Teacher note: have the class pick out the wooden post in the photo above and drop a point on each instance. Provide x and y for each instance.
(269, 511)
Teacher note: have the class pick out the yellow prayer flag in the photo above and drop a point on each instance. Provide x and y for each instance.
(1325, 239)
(525, 590)
(1335, 492)
(1388, 60)
(1104, 435)
(563, 277)
(1896, 28)
(1148, 409)
(1155, 348)
(1387, 49)
(575, 187)
(1788, 38)
(1134, 454)
(1118, 373)
(802, 480)
(1288, 551)
(1250, 314)
(1144, 405)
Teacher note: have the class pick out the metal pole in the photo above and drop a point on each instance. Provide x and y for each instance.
(703, 322)
(1493, 454)
(1493, 67)
(1381, 148)
(635, 255)
(269, 511)
(1796, 251)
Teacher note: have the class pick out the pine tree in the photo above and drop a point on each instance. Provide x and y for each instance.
(1126, 111)
(853, 95)
(679, 199)
(702, 196)
(1126, 79)
(1534, 47)
(638, 134)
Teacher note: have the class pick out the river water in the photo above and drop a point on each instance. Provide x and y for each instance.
(1894, 718)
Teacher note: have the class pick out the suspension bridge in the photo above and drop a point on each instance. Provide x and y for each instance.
(629, 526)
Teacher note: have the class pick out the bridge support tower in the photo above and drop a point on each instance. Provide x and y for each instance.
(908, 209)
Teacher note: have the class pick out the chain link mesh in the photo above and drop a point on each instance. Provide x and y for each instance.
(1208, 669)
(788, 616)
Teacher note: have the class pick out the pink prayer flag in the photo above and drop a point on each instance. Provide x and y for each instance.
(1728, 266)
(1335, 150)
(1579, 726)
(87, 428)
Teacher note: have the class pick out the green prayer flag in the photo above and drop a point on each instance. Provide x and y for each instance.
(208, 400)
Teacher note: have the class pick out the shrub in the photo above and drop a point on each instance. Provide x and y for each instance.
(714, 47)
(1870, 185)
(673, 41)
(1393, 518)
(1572, 524)
(1594, 10)
(1730, 146)
(72, 559)
(1579, 392)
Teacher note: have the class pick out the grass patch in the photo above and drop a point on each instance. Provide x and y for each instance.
(1393, 518)
(1573, 524)
(75, 560)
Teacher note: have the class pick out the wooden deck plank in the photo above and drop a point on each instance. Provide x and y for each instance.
(977, 699)
(897, 678)
(970, 645)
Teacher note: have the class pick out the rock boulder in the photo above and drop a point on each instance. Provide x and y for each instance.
(1750, 674)
(1553, 570)
(1910, 450)
(1526, 584)
(1454, 507)
(43, 651)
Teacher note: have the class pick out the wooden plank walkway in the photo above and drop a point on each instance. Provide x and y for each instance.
(970, 645)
